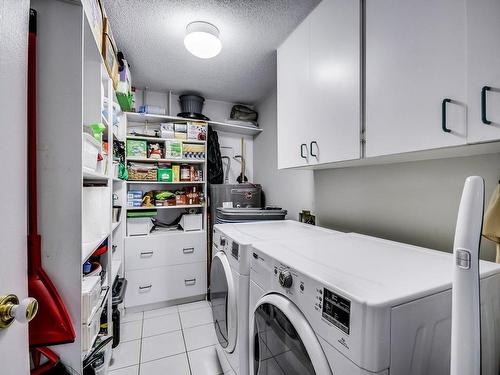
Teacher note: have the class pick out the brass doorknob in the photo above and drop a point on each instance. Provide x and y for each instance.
(11, 309)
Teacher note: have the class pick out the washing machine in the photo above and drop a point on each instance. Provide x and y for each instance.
(355, 305)
(229, 282)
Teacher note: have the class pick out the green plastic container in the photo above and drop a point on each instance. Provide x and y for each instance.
(137, 149)
(125, 101)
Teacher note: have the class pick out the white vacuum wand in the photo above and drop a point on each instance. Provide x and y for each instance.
(466, 318)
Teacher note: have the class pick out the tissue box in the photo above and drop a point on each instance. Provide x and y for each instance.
(167, 130)
(180, 131)
(196, 131)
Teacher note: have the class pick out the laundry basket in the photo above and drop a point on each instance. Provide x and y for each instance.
(191, 103)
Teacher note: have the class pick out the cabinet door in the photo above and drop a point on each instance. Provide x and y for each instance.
(334, 118)
(483, 69)
(415, 58)
(293, 77)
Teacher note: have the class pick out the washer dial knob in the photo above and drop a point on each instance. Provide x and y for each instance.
(285, 278)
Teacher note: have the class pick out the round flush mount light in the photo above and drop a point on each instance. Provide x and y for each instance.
(202, 40)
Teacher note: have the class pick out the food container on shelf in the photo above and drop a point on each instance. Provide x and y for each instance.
(96, 212)
(165, 175)
(91, 291)
(142, 173)
(137, 148)
(91, 149)
(191, 222)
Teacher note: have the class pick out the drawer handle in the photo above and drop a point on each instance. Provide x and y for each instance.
(189, 282)
(188, 250)
(146, 254)
(146, 287)
(443, 115)
(484, 111)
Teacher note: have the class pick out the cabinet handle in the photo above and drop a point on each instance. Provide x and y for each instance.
(188, 250)
(146, 254)
(484, 117)
(311, 148)
(302, 151)
(443, 115)
(145, 287)
(189, 282)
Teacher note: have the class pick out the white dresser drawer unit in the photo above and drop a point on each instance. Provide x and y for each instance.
(165, 283)
(168, 250)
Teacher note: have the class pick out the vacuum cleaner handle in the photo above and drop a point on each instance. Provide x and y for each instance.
(466, 318)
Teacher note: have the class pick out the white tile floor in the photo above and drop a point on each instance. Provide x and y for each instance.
(178, 340)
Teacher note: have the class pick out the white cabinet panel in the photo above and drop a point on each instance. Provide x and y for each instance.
(157, 251)
(415, 58)
(165, 283)
(293, 94)
(335, 75)
(483, 68)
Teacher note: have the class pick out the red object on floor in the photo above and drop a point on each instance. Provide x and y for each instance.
(52, 325)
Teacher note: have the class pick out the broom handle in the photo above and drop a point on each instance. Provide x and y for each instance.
(32, 180)
(34, 240)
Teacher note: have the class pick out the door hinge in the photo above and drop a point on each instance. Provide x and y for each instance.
(363, 137)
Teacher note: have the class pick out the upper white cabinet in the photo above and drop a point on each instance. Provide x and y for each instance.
(416, 97)
(483, 60)
(293, 89)
(319, 87)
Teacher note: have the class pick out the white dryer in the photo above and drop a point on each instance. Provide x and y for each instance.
(229, 281)
(355, 305)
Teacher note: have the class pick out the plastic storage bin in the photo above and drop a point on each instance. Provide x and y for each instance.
(191, 222)
(138, 226)
(96, 213)
(91, 292)
(90, 150)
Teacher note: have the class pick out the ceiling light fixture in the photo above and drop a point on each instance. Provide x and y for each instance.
(202, 39)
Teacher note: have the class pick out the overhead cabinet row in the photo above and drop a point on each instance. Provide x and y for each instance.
(431, 78)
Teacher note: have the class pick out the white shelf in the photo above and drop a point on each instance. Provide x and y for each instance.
(118, 180)
(115, 269)
(115, 225)
(96, 176)
(164, 207)
(89, 247)
(221, 126)
(165, 183)
(171, 160)
(144, 138)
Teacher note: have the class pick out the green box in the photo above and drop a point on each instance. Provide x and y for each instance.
(137, 149)
(165, 175)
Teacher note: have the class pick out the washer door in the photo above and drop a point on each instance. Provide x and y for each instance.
(283, 342)
(223, 297)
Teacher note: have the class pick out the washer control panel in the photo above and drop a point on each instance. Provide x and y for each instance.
(336, 309)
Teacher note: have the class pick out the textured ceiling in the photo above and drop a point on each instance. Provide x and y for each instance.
(151, 35)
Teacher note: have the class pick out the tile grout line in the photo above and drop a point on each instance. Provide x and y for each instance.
(140, 346)
(184, 339)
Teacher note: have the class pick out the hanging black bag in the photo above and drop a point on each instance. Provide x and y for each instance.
(214, 158)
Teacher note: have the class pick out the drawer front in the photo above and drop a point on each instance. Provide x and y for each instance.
(165, 283)
(149, 252)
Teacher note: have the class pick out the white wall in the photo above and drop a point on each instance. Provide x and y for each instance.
(415, 202)
(217, 111)
(290, 189)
